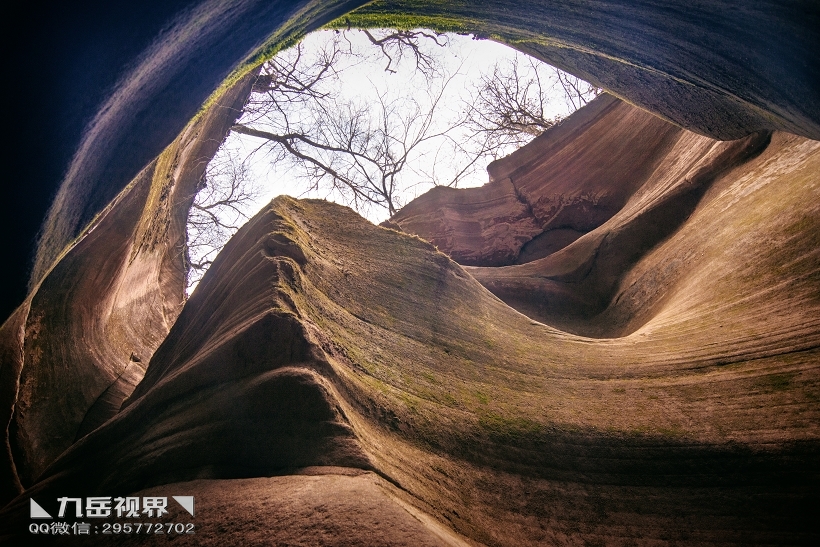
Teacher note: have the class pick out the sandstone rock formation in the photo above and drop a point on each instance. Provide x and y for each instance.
(582, 204)
(81, 341)
(653, 380)
(548, 193)
(319, 341)
(713, 68)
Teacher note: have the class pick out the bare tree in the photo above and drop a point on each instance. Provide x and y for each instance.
(395, 45)
(365, 153)
(509, 104)
(358, 150)
(291, 80)
(370, 152)
(219, 209)
(577, 91)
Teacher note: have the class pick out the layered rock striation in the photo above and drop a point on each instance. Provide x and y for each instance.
(319, 341)
(614, 341)
(713, 68)
(565, 183)
(81, 341)
(641, 188)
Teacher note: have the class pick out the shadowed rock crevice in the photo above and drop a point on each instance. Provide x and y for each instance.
(601, 190)
(110, 401)
(114, 294)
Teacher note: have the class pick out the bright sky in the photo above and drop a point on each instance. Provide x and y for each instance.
(363, 77)
(463, 56)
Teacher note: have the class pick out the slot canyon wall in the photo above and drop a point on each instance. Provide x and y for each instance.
(615, 341)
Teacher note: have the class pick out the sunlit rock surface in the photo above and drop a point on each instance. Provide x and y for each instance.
(610, 212)
(614, 342)
(319, 345)
(565, 183)
(660, 386)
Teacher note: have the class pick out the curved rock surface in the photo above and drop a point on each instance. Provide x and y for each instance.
(320, 506)
(318, 339)
(713, 68)
(81, 341)
(662, 387)
(644, 191)
(565, 183)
